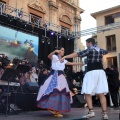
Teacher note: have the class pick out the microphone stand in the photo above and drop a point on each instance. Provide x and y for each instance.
(8, 108)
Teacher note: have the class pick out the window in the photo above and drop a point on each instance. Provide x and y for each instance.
(111, 43)
(2, 4)
(65, 30)
(112, 61)
(109, 19)
(35, 19)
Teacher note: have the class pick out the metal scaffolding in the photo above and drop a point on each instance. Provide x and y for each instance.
(36, 21)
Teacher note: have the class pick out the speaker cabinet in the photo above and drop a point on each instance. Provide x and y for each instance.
(25, 101)
(78, 101)
(30, 87)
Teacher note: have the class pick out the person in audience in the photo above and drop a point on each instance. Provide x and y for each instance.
(73, 74)
(113, 82)
(80, 76)
(54, 94)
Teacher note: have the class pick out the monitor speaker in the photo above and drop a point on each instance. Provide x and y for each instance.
(78, 101)
(30, 87)
(25, 101)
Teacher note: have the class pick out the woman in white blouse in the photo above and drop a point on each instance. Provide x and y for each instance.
(54, 94)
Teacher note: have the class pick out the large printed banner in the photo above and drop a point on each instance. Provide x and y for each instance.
(18, 44)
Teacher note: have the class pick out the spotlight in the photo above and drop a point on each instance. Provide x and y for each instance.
(52, 32)
(10, 18)
(25, 24)
(48, 41)
(42, 40)
(68, 38)
(20, 13)
(60, 36)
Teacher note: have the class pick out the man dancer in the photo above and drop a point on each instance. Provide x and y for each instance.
(95, 81)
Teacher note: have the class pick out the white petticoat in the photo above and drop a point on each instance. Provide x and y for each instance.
(95, 82)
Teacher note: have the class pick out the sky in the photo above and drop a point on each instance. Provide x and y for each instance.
(91, 6)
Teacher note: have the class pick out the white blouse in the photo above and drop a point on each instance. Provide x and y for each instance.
(56, 64)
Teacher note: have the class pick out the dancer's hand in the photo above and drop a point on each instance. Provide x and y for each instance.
(57, 51)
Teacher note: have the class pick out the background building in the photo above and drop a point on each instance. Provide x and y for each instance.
(108, 38)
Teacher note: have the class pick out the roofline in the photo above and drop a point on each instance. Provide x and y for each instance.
(103, 11)
(82, 11)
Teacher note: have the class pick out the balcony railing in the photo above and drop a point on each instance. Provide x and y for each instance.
(20, 14)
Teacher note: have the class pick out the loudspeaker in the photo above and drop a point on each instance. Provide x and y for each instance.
(25, 101)
(78, 101)
(31, 87)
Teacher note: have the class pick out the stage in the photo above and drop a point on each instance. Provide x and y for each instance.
(75, 114)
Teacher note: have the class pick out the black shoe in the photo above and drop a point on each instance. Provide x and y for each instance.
(114, 106)
(111, 106)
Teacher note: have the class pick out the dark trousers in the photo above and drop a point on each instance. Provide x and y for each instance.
(114, 95)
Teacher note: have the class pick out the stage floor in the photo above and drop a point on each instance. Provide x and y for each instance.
(75, 114)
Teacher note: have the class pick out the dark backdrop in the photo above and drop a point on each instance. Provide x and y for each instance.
(45, 48)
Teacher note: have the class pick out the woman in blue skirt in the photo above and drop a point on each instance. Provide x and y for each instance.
(54, 94)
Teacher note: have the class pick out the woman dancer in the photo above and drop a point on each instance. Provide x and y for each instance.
(54, 94)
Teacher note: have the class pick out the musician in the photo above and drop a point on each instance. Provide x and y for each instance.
(42, 65)
(42, 76)
(33, 75)
(1, 90)
(25, 77)
(1, 71)
(1, 93)
(74, 87)
(4, 60)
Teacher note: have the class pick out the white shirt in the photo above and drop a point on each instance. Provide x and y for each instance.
(56, 64)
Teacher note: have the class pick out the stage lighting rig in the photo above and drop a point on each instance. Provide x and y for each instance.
(10, 18)
(48, 41)
(44, 38)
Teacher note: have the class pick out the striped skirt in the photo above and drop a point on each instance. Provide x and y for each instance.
(54, 93)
